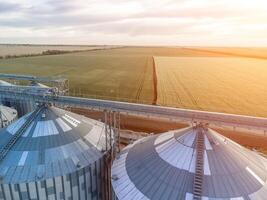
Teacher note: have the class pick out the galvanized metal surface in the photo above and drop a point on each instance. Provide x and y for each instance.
(31, 78)
(4, 83)
(7, 116)
(55, 143)
(140, 109)
(60, 83)
(17, 134)
(163, 167)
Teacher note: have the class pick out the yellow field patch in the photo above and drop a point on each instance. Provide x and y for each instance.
(223, 84)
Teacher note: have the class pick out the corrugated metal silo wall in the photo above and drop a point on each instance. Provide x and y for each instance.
(23, 107)
(86, 183)
(114, 197)
(9, 122)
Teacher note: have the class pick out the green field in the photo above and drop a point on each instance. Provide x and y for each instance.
(104, 74)
(215, 81)
(124, 74)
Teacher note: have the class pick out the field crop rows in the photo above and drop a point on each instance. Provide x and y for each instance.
(107, 74)
(232, 85)
(124, 74)
(252, 52)
(186, 78)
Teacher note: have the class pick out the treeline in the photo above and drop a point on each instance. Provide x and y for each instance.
(47, 52)
(53, 52)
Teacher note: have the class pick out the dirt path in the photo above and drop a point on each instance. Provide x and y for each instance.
(155, 83)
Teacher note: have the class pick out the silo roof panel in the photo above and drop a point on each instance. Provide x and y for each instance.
(5, 83)
(7, 114)
(162, 167)
(52, 145)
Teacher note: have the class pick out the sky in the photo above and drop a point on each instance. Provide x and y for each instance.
(135, 22)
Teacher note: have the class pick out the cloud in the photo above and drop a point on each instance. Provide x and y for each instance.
(134, 21)
(6, 7)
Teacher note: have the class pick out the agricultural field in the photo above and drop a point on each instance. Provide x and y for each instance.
(120, 74)
(108, 74)
(223, 84)
(252, 52)
(7, 49)
(186, 77)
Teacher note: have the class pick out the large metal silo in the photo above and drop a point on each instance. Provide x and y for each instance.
(21, 106)
(7, 116)
(3, 100)
(57, 155)
(193, 163)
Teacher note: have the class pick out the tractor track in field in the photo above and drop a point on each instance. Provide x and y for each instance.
(177, 95)
(163, 89)
(141, 82)
(155, 82)
(187, 91)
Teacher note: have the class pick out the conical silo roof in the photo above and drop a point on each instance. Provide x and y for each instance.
(38, 85)
(4, 83)
(173, 166)
(7, 115)
(55, 143)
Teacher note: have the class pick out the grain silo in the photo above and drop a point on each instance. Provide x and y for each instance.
(21, 106)
(7, 116)
(36, 84)
(3, 100)
(193, 163)
(5, 83)
(58, 155)
(25, 107)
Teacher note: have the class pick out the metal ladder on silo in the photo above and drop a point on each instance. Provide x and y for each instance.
(117, 137)
(4, 150)
(1, 119)
(199, 171)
